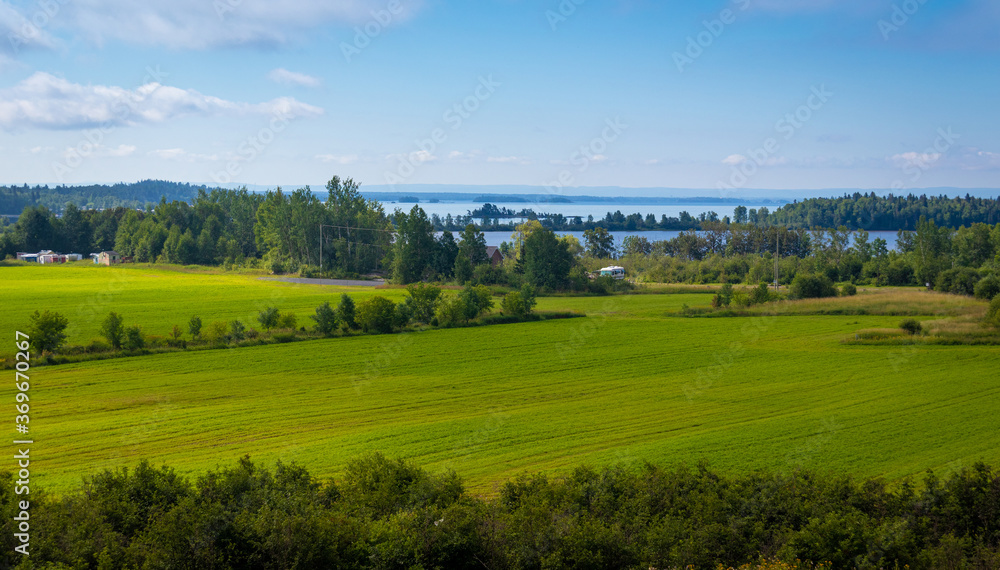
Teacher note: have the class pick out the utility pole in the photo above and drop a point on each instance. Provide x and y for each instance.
(777, 254)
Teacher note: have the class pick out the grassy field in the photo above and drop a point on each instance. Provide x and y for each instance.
(155, 298)
(629, 383)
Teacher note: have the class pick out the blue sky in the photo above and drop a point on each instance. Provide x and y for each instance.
(722, 95)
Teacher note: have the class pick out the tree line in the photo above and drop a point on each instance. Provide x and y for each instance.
(14, 199)
(388, 513)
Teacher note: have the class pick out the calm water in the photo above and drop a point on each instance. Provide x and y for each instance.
(495, 238)
(442, 209)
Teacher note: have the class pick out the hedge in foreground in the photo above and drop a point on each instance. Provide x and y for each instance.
(389, 514)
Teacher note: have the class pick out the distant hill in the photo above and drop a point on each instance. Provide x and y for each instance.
(13, 199)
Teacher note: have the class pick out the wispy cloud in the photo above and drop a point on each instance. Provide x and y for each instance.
(101, 150)
(200, 24)
(181, 155)
(285, 77)
(338, 159)
(44, 101)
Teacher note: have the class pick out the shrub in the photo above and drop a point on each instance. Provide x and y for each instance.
(194, 327)
(987, 288)
(451, 311)
(345, 311)
(237, 330)
(760, 294)
(992, 318)
(812, 286)
(960, 281)
(726, 294)
(288, 321)
(911, 326)
(402, 315)
(740, 299)
(133, 339)
(513, 305)
(326, 319)
(480, 299)
(423, 301)
(113, 329)
(269, 318)
(218, 332)
(46, 330)
(376, 314)
(848, 290)
(175, 332)
(528, 296)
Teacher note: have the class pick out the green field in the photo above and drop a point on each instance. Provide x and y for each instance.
(629, 383)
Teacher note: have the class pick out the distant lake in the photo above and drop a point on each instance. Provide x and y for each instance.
(495, 238)
(583, 210)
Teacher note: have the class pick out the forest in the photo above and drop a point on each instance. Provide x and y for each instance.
(386, 513)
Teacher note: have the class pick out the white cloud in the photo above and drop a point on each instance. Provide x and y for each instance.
(415, 157)
(48, 102)
(100, 150)
(734, 159)
(285, 77)
(919, 159)
(200, 24)
(179, 154)
(508, 159)
(338, 159)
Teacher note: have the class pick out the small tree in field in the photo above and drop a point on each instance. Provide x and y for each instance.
(46, 330)
(422, 301)
(175, 333)
(269, 318)
(376, 314)
(113, 329)
(911, 326)
(287, 321)
(326, 319)
(237, 330)
(194, 327)
(993, 314)
(513, 305)
(345, 311)
(133, 339)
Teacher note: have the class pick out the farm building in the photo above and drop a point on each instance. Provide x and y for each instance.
(494, 255)
(48, 256)
(108, 258)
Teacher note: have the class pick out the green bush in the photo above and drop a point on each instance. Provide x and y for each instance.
(848, 290)
(959, 281)
(133, 338)
(513, 305)
(237, 330)
(326, 319)
(376, 314)
(812, 286)
(269, 318)
(911, 326)
(46, 331)
(992, 318)
(346, 310)
(987, 288)
(113, 329)
(760, 294)
(194, 327)
(423, 301)
(287, 321)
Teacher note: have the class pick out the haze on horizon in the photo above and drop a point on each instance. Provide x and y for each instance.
(725, 96)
